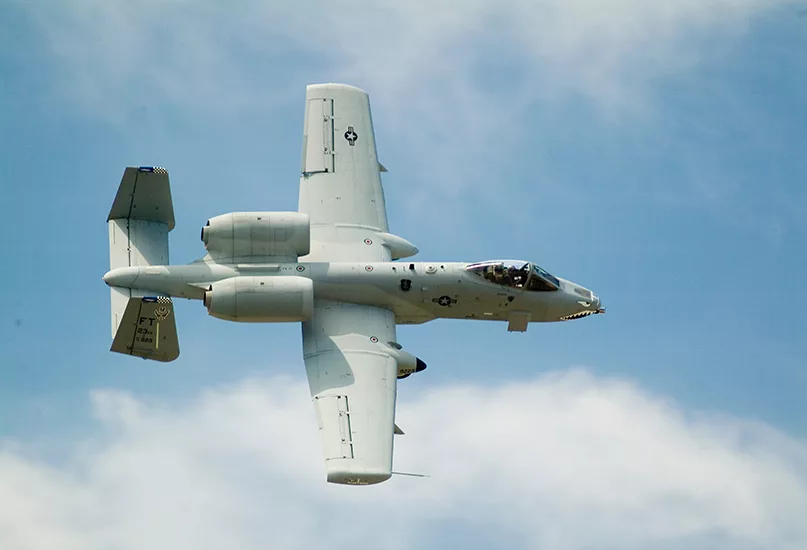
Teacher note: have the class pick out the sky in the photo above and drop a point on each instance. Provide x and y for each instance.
(652, 151)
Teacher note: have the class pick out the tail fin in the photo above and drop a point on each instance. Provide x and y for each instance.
(148, 329)
(139, 222)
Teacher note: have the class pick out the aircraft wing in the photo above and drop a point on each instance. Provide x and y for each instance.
(340, 187)
(353, 384)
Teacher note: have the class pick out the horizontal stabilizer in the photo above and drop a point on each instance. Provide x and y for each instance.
(148, 330)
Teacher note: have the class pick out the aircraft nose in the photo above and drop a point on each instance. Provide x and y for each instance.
(596, 304)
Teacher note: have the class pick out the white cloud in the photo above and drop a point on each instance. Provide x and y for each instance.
(566, 461)
(199, 51)
(454, 81)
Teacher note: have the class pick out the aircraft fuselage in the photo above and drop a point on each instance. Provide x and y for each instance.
(416, 292)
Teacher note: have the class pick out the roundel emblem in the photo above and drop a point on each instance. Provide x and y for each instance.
(351, 136)
(368, 268)
(368, 241)
(300, 268)
(373, 339)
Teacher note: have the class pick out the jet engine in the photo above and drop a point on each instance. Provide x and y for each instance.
(272, 299)
(407, 363)
(246, 235)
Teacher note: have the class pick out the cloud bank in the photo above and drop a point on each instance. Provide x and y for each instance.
(191, 52)
(565, 461)
(455, 82)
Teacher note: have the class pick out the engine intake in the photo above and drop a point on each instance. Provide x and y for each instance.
(272, 299)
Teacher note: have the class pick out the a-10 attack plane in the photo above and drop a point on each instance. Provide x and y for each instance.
(331, 266)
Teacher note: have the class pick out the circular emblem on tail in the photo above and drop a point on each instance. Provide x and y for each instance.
(161, 313)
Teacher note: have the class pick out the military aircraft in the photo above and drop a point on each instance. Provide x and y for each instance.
(333, 266)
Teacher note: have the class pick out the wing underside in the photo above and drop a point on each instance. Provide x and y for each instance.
(351, 373)
(340, 187)
(353, 384)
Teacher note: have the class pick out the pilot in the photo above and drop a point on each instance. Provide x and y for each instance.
(520, 277)
(510, 275)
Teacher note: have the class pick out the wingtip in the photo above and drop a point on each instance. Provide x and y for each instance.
(330, 87)
(351, 477)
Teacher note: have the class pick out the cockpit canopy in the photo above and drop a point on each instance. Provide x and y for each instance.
(516, 274)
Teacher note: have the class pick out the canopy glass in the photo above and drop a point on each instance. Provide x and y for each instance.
(516, 274)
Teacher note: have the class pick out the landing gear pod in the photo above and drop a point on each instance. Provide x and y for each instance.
(407, 363)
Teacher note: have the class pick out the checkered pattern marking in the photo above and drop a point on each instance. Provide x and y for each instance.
(152, 170)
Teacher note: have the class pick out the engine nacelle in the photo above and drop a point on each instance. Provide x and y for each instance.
(242, 236)
(272, 299)
(407, 363)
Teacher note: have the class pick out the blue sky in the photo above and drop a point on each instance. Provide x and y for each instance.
(653, 152)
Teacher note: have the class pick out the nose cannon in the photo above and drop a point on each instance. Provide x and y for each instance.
(596, 304)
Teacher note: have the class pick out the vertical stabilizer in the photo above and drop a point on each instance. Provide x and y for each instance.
(148, 329)
(140, 219)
